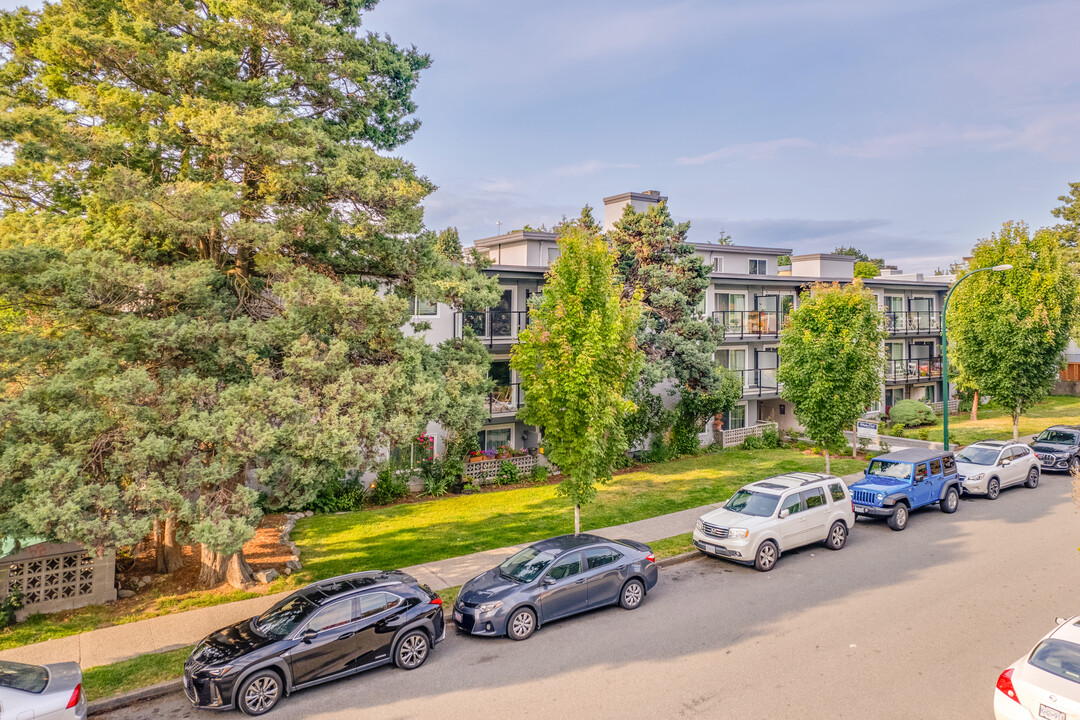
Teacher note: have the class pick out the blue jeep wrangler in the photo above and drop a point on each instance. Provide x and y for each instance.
(898, 482)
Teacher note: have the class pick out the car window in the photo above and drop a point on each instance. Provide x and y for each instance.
(601, 556)
(950, 464)
(935, 467)
(332, 616)
(1058, 437)
(567, 567)
(837, 492)
(30, 678)
(1019, 451)
(374, 603)
(920, 471)
(814, 498)
(792, 504)
(976, 455)
(890, 469)
(1058, 657)
(284, 616)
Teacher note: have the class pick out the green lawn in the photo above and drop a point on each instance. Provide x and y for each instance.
(996, 424)
(410, 534)
(105, 681)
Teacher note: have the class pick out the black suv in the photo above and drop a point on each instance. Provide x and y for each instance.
(1058, 448)
(325, 631)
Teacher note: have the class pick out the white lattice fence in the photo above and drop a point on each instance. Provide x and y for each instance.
(485, 470)
(954, 405)
(55, 577)
(729, 438)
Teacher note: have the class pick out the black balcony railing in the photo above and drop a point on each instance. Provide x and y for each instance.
(912, 370)
(759, 382)
(915, 322)
(749, 323)
(505, 400)
(492, 326)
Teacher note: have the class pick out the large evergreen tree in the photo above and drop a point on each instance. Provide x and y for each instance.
(209, 262)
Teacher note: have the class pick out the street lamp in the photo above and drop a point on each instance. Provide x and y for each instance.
(945, 343)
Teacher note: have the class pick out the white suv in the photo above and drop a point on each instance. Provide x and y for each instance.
(988, 466)
(777, 514)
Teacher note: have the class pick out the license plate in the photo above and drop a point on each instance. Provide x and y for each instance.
(861, 508)
(457, 616)
(1045, 711)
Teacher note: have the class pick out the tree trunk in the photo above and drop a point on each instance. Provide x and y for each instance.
(1016, 423)
(218, 568)
(159, 545)
(171, 554)
(974, 407)
(854, 440)
(577, 519)
(828, 467)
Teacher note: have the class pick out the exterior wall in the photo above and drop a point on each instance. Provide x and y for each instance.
(613, 206)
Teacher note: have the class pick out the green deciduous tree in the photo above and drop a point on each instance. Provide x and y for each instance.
(832, 360)
(858, 254)
(212, 264)
(578, 360)
(865, 270)
(1008, 330)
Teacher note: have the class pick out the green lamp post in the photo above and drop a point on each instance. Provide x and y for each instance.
(945, 344)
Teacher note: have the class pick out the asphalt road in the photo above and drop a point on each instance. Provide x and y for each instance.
(915, 624)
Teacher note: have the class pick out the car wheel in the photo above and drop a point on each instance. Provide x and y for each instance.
(259, 693)
(412, 650)
(951, 501)
(767, 555)
(993, 488)
(522, 624)
(1032, 478)
(633, 592)
(898, 520)
(837, 536)
(1074, 466)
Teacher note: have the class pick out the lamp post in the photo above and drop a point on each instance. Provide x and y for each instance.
(945, 344)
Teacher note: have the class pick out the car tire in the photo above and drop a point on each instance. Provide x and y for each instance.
(521, 624)
(259, 693)
(412, 650)
(631, 595)
(899, 519)
(1032, 478)
(993, 489)
(767, 555)
(950, 502)
(1074, 466)
(837, 536)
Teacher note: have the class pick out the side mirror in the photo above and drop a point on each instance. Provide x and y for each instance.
(1004, 461)
(309, 635)
(784, 512)
(548, 580)
(1060, 620)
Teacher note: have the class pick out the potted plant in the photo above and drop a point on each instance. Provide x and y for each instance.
(471, 485)
(534, 451)
(476, 456)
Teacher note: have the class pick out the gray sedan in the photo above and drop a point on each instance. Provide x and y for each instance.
(42, 692)
(553, 579)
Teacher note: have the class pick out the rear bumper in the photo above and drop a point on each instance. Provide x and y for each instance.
(1008, 709)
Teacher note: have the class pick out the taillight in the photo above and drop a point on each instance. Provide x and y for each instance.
(436, 600)
(75, 695)
(650, 557)
(1004, 684)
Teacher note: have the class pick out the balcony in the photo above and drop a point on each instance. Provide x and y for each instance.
(759, 382)
(916, 322)
(740, 324)
(505, 400)
(913, 370)
(491, 326)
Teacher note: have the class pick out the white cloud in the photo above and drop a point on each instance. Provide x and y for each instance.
(589, 167)
(754, 151)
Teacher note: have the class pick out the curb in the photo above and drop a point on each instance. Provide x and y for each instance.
(100, 707)
(677, 559)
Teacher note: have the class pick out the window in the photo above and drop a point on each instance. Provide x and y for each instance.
(492, 438)
(28, 678)
(424, 307)
(553, 254)
(375, 603)
(787, 305)
(931, 394)
(718, 264)
(758, 267)
(340, 613)
(935, 467)
(837, 492)
(920, 472)
(813, 498)
(730, 302)
(567, 567)
(732, 359)
(792, 504)
(1058, 657)
(408, 456)
(783, 409)
(735, 418)
(1020, 451)
(601, 556)
(949, 463)
(894, 350)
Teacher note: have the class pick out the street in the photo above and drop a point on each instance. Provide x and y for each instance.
(912, 624)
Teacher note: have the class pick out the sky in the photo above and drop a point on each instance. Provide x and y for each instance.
(908, 128)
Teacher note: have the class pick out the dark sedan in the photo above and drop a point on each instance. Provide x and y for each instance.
(553, 579)
(325, 631)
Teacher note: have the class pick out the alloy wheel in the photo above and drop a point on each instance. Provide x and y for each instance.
(261, 695)
(767, 556)
(838, 536)
(993, 488)
(632, 595)
(413, 651)
(522, 625)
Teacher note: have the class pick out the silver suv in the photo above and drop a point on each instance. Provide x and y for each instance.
(777, 514)
(988, 466)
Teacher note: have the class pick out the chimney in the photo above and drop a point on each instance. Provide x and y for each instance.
(641, 201)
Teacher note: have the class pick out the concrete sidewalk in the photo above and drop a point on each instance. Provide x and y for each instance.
(120, 642)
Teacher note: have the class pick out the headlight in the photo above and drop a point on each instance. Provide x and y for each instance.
(880, 496)
(976, 477)
(488, 607)
(737, 533)
(218, 671)
(700, 524)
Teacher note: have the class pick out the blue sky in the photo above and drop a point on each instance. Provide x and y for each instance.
(909, 128)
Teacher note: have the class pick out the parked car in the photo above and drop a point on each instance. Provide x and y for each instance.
(987, 466)
(553, 579)
(771, 516)
(322, 632)
(1058, 448)
(1045, 683)
(898, 482)
(44, 692)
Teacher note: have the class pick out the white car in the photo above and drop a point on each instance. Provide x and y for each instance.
(1044, 684)
(775, 515)
(988, 466)
(41, 692)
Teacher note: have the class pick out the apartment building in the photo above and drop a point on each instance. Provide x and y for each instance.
(750, 295)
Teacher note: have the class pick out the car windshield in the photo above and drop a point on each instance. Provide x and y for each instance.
(890, 469)
(748, 502)
(1058, 657)
(29, 678)
(977, 455)
(1058, 437)
(283, 618)
(526, 566)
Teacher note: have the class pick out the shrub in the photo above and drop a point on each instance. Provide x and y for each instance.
(802, 445)
(337, 495)
(9, 605)
(912, 413)
(754, 442)
(508, 473)
(924, 433)
(885, 447)
(863, 443)
(897, 430)
(390, 485)
(684, 440)
(657, 452)
(539, 473)
(771, 438)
